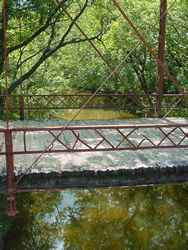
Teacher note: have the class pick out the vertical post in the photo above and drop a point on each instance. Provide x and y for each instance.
(11, 185)
(21, 108)
(161, 56)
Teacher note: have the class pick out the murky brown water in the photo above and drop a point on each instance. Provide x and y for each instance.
(116, 218)
(93, 114)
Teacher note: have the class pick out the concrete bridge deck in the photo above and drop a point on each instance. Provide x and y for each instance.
(100, 168)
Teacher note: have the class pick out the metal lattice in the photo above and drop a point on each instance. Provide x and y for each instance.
(98, 138)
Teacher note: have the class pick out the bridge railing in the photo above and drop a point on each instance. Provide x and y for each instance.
(21, 141)
(96, 138)
(26, 105)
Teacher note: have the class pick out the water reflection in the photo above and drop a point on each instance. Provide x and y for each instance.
(116, 218)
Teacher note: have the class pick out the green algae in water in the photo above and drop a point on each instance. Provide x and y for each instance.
(148, 218)
(93, 114)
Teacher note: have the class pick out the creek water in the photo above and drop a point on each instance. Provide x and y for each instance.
(115, 218)
(153, 217)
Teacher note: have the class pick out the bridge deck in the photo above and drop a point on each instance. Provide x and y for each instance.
(90, 168)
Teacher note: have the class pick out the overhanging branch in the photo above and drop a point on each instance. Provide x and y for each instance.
(50, 51)
(36, 33)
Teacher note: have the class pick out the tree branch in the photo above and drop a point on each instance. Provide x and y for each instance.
(50, 51)
(36, 33)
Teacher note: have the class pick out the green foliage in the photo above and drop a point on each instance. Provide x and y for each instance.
(77, 65)
(41, 64)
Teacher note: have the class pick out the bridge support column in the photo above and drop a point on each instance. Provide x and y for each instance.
(11, 185)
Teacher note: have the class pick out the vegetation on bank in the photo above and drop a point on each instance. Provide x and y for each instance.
(48, 54)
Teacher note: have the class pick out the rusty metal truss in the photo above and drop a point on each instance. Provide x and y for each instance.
(96, 138)
(71, 101)
(25, 105)
(21, 141)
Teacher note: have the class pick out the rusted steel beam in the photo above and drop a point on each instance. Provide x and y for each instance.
(93, 127)
(20, 103)
(161, 56)
(59, 151)
(102, 138)
(11, 185)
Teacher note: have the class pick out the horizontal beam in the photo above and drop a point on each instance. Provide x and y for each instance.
(93, 127)
(26, 105)
(91, 138)
(32, 152)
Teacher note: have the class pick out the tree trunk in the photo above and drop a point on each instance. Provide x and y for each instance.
(161, 56)
(4, 55)
(2, 107)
